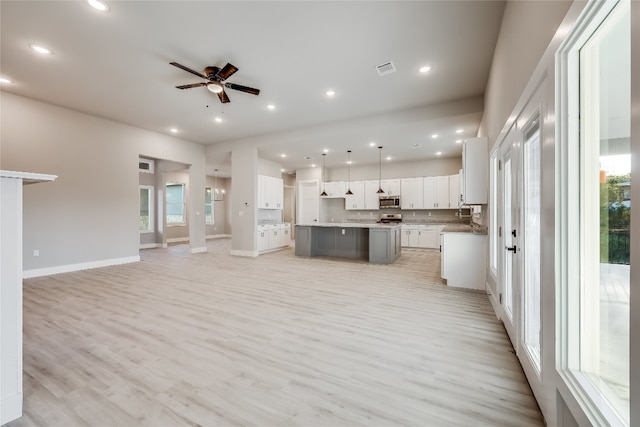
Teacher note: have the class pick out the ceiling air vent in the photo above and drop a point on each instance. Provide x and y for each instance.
(386, 68)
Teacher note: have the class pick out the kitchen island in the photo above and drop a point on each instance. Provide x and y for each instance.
(377, 243)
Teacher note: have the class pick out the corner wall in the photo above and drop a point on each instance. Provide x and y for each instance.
(89, 216)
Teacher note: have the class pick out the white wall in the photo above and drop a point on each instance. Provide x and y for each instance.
(90, 214)
(525, 33)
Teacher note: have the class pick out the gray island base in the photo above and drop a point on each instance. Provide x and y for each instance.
(377, 243)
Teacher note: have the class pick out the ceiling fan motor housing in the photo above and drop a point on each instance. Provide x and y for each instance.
(210, 72)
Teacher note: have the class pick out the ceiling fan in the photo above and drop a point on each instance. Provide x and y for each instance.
(216, 80)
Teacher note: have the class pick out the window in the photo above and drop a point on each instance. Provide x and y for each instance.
(146, 209)
(594, 215)
(208, 206)
(494, 237)
(175, 204)
(532, 185)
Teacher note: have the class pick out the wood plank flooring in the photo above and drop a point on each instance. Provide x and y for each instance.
(209, 339)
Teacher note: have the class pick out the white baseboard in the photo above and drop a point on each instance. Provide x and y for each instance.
(495, 303)
(150, 246)
(178, 239)
(198, 250)
(217, 236)
(11, 408)
(244, 253)
(37, 272)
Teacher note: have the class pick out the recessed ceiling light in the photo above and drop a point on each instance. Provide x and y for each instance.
(41, 49)
(283, 155)
(5, 80)
(98, 5)
(173, 130)
(349, 162)
(313, 165)
(434, 136)
(416, 145)
(331, 93)
(459, 130)
(388, 157)
(458, 141)
(271, 107)
(372, 144)
(425, 69)
(439, 153)
(326, 150)
(282, 170)
(218, 119)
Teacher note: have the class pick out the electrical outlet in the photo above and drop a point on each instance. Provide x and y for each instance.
(36, 252)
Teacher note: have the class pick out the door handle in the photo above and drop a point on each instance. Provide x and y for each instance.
(512, 248)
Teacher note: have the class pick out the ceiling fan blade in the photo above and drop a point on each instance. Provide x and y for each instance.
(223, 97)
(227, 71)
(242, 88)
(191, 85)
(189, 70)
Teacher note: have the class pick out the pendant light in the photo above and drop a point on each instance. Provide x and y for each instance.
(324, 171)
(349, 193)
(380, 190)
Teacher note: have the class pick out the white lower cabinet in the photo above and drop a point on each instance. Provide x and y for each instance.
(273, 236)
(463, 260)
(420, 236)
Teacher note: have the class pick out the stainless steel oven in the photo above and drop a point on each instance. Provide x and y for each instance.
(389, 202)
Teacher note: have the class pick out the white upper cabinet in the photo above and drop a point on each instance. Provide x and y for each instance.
(334, 189)
(391, 187)
(371, 196)
(475, 172)
(270, 192)
(436, 192)
(355, 201)
(412, 193)
(454, 191)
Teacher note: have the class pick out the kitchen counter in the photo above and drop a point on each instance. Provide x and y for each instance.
(376, 242)
(465, 228)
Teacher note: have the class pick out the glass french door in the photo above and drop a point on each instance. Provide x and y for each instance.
(509, 231)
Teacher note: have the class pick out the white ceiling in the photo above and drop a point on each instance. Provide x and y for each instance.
(115, 65)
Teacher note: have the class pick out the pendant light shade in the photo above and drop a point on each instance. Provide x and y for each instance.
(349, 193)
(324, 171)
(380, 190)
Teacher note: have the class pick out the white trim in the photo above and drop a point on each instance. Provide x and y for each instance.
(217, 236)
(150, 245)
(235, 252)
(578, 393)
(199, 250)
(28, 177)
(47, 271)
(177, 239)
(11, 408)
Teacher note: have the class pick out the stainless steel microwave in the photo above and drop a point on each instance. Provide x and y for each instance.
(389, 202)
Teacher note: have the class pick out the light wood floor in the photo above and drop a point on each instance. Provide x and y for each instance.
(214, 340)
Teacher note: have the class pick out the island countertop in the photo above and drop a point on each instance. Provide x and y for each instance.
(350, 225)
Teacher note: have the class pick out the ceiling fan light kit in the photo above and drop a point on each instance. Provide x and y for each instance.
(214, 87)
